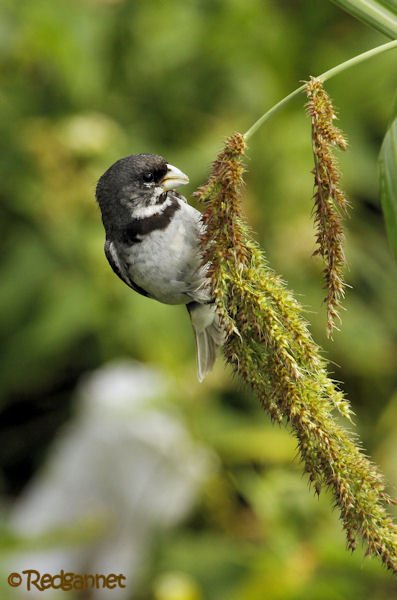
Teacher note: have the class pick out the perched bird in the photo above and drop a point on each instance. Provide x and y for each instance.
(152, 243)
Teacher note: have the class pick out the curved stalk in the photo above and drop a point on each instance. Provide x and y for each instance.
(323, 77)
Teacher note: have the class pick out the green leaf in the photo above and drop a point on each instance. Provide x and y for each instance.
(388, 183)
(373, 13)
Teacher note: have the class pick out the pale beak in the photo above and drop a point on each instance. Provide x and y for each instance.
(173, 178)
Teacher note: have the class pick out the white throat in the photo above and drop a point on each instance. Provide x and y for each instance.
(143, 212)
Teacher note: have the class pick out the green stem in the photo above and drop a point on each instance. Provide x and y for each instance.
(323, 77)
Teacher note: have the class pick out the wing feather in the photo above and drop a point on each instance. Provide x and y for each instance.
(120, 269)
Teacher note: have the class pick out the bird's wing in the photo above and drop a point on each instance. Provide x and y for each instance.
(120, 269)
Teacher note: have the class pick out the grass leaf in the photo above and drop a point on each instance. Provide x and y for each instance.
(388, 183)
(372, 13)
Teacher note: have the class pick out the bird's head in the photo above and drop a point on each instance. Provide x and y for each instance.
(135, 182)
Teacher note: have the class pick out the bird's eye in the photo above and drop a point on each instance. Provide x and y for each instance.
(148, 177)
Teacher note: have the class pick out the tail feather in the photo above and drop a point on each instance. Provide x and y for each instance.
(209, 336)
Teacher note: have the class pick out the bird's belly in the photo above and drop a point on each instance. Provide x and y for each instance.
(166, 265)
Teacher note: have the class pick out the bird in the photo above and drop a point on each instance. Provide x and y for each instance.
(153, 243)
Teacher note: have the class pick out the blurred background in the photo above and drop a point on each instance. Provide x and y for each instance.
(82, 84)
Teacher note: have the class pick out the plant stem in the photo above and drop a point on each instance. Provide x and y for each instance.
(323, 77)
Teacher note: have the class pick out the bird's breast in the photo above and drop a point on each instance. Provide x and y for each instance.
(137, 229)
(165, 260)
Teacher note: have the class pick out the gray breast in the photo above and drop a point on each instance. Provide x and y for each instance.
(165, 261)
(137, 229)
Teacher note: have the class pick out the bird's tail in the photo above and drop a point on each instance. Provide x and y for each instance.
(209, 335)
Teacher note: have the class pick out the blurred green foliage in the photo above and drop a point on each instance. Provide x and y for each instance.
(86, 82)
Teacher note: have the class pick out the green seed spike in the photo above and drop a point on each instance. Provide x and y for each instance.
(269, 346)
(329, 199)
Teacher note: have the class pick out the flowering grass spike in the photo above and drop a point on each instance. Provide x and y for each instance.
(270, 347)
(329, 200)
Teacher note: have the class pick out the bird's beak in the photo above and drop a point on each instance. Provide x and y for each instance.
(173, 178)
